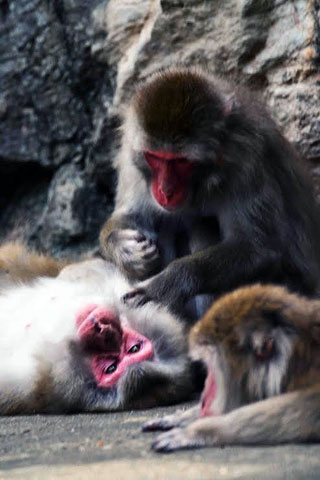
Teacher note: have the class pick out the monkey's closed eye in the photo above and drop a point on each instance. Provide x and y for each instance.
(112, 368)
(135, 348)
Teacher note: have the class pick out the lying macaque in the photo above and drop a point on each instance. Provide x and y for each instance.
(261, 346)
(69, 344)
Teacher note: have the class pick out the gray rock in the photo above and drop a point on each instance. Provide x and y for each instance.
(67, 65)
(73, 213)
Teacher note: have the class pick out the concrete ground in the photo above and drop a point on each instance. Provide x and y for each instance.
(111, 446)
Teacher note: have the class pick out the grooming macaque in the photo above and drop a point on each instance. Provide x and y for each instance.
(69, 344)
(257, 342)
(210, 196)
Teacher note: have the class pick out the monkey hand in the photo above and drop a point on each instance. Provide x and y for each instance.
(201, 433)
(133, 252)
(162, 288)
(180, 419)
(177, 439)
(165, 423)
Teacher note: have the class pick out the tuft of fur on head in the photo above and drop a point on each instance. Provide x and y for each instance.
(178, 104)
(246, 303)
(17, 263)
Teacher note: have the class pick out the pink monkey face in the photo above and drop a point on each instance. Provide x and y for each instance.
(112, 348)
(171, 176)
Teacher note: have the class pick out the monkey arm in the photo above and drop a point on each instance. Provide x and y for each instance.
(114, 223)
(214, 270)
(224, 266)
(292, 417)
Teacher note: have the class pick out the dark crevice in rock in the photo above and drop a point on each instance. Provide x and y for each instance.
(14, 177)
(88, 77)
(23, 193)
(167, 6)
(253, 7)
(252, 50)
(258, 81)
(89, 73)
(317, 33)
(4, 9)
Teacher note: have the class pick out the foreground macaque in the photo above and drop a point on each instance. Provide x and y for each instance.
(210, 196)
(257, 342)
(69, 344)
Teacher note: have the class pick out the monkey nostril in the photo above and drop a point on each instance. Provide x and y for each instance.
(97, 327)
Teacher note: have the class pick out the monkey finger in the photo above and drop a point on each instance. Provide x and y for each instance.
(145, 247)
(130, 246)
(151, 253)
(129, 234)
(146, 244)
(176, 439)
(164, 423)
(136, 298)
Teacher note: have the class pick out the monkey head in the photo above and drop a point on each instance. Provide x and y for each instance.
(253, 341)
(90, 352)
(179, 121)
(111, 347)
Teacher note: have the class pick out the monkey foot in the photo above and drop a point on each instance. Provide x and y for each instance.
(165, 423)
(176, 439)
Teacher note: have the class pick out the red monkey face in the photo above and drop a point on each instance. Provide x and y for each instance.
(170, 177)
(112, 348)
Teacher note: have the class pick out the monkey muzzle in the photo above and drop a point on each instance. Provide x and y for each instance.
(170, 177)
(99, 330)
(112, 347)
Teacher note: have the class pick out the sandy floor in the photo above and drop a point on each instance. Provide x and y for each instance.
(112, 447)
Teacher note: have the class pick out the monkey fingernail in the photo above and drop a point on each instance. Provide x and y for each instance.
(150, 426)
(160, 446)
(126, 297)
(133, 295)
(147, 244)
(151, 253)
(155, 425)
(140, 237)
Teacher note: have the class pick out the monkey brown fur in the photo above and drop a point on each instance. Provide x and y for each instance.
(260, 309)
(19, 264)
(261, 345)
(210, 196)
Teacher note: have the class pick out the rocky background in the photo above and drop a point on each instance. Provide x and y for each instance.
(67, 65)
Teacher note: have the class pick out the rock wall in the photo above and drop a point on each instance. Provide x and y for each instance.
(67, 65)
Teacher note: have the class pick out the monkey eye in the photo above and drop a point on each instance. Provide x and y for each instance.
(112, 368)
(135, 348)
